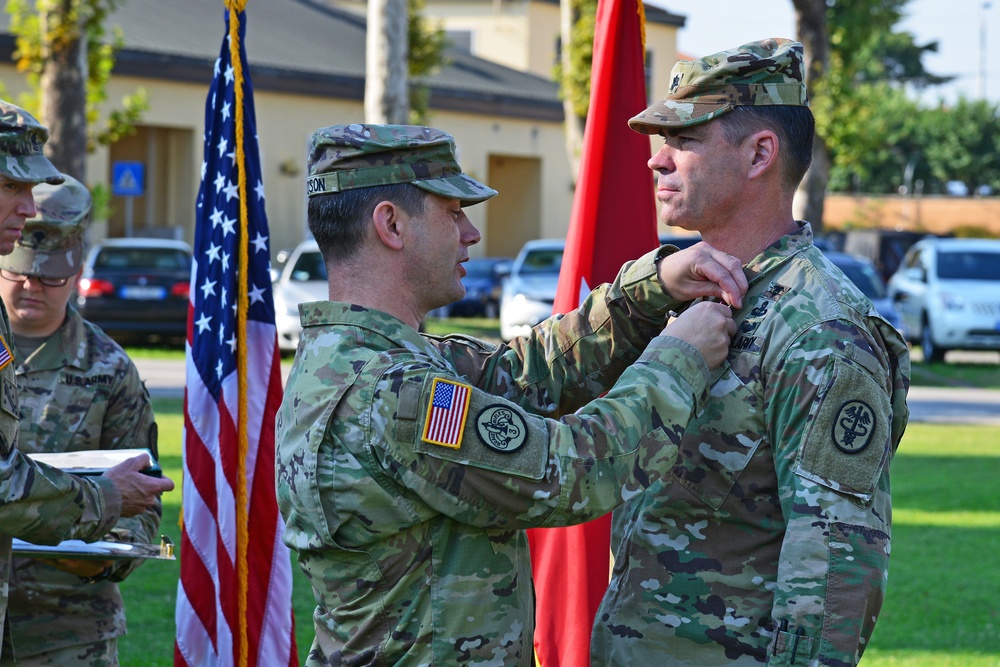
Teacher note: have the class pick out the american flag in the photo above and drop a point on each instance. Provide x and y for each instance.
(234, 594)
(446, 413)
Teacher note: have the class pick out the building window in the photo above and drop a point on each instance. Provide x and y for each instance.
(460, 39)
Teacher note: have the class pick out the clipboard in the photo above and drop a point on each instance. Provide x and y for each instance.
(99, 550)
(96, 461)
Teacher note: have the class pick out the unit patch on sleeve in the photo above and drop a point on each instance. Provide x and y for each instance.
(501, 429)
(853, 426)
(446, 413)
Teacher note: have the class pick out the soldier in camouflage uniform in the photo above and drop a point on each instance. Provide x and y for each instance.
(768, 541)
(39, 503)
(408, 465)
(78, 391)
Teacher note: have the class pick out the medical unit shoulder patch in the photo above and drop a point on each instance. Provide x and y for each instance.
(446, 413)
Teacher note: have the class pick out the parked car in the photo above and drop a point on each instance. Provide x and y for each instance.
(530, 289)
(948, 292)
(137, 288)
(302, 278)
(483, 284)
(863, 273)
(682, 242)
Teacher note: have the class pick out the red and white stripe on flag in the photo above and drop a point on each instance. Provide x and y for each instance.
(446, 413)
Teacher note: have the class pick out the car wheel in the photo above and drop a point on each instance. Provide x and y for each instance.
(932, 352)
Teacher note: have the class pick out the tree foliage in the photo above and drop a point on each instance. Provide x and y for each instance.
(574, 83)
(427, 44)
(962, 143)
(78, 19)
(880, 139)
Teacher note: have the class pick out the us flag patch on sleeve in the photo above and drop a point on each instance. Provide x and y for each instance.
(446, 413)
(5, 356)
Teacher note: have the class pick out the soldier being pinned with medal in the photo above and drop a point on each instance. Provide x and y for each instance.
(769, 541)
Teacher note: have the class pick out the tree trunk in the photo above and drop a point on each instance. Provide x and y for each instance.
(572, 124)
(64, 91)
(810, 23)
(387, 98)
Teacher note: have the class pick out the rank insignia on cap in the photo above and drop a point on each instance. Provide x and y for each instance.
(853, 427)
(449, 406)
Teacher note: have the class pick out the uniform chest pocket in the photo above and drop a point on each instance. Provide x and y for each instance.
(720, 441)
(59, 416)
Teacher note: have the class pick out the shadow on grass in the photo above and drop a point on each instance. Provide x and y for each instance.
(942, 593)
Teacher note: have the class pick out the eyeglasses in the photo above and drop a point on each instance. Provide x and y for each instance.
(20, 278)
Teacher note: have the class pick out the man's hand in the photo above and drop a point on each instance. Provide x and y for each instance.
(138, 491)
(78, 566)
(703, 271)
(708, 326)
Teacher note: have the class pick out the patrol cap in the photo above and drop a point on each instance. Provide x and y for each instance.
(345, 157)
(51, 244)
(765, 73)
(21, 141)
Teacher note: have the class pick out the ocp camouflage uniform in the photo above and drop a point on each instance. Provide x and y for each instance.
(768, 542)
(79, 390)
(415, 550)
(38, 503)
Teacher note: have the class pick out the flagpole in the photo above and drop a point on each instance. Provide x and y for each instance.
(242, 538)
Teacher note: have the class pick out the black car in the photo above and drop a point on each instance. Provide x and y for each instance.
(137, 289)
(483, 282)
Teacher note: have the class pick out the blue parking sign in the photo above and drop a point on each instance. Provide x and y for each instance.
(128, 179)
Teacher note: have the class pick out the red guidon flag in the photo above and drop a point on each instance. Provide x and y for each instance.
(613, 221)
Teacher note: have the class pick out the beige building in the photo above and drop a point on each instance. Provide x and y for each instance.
(524, 35)
(307, 66)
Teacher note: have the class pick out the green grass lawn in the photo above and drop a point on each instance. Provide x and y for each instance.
(942, 608)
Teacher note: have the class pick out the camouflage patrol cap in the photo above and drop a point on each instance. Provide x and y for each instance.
(21, 141)
(51, 244)
(346, 157)
(765, 73)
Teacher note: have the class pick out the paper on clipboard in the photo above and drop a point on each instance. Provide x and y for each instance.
(95, 461)
(99, 550)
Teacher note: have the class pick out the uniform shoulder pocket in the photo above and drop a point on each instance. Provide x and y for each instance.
(847, 444)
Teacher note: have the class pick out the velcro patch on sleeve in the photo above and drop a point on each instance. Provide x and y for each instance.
(6, 357)
(498, 435)
(848, 440)
(447, 411)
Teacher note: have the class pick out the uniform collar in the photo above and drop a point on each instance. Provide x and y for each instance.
(380, 330)
(67, 347)
(779, 252)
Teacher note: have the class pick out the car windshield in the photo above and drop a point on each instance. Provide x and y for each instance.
(169, 259)
(866, 278)
(309, 267)
(969, 265)
(542, 261)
